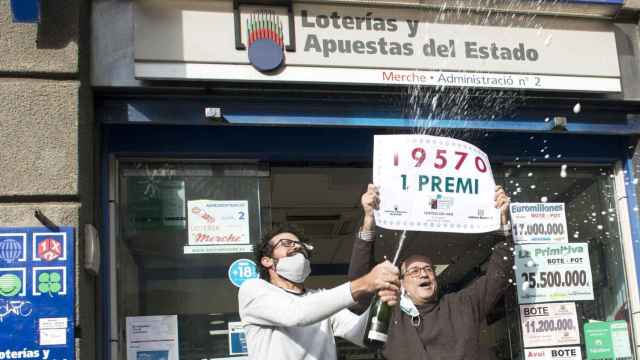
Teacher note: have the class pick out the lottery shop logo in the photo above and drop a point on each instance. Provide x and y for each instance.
(49, 280)
(12, 282)
(49, 247)
(13, 248)
(266, 40)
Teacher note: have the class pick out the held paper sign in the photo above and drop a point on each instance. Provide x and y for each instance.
(556, 353)
(553, 272)
(218, 222)
(430, 183)
(152, 337)
(539, 223)
(549, 324)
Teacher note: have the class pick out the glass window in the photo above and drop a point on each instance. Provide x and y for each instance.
(156, 273)
(156, 277)
(588, 195)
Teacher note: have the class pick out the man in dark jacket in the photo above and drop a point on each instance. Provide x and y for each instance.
(428, 325)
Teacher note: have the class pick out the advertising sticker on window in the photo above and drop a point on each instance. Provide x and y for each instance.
(242, 270)
(430, 183)
(539, 223)
(218, 222)
(549, 324)
(553, 272)
(607, 340)
(237, 339)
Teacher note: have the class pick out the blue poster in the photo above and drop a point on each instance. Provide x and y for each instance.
(237, 339)
(37, 293)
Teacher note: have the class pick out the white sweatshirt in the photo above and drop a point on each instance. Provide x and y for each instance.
(281, 325)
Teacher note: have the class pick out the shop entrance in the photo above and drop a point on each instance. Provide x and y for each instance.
(157, 275)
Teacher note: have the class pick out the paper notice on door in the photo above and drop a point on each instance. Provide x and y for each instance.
(152, 337)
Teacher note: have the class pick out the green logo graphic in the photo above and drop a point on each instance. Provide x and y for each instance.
(10, 285)
(49, 283)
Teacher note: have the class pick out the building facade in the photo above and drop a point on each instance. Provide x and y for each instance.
(271, 108)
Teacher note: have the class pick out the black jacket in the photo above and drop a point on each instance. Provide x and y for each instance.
(449, 327)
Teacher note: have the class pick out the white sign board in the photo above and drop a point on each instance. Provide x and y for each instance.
(553, 272)
(53, 331)
(554, 353)
(152, 337)
(553, 324)
(350, 44)
(430, 183)
(539, 223)
(217, 249)
(218, 222)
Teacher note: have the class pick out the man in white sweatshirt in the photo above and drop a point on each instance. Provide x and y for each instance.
(286, 321)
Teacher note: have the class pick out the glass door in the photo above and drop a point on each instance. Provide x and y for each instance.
(162, 268)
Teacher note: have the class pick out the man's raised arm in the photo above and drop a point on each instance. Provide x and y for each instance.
(362, 259)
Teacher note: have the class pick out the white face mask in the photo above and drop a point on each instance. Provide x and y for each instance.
(407, 305)
(294, 268)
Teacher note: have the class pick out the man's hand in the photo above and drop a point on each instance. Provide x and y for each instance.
(502, 203)
(370, 201)
(384, 278)
(388, 296)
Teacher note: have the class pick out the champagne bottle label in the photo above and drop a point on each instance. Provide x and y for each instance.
(377, 325)
(375, 335)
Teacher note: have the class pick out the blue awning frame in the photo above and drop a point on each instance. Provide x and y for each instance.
(596, 118)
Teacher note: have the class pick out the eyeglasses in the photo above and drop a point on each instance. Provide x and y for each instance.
(305, 248)
(416, 271)
(288, 243)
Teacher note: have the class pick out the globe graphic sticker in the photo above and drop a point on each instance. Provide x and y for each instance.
(10, 250)
(266, 41)
(10, 285)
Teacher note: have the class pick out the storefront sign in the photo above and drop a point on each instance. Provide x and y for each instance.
(333, 43)
(37, 306)
(539, 223)
(242, 270)
(553, 324)
(237, 339)
(556, 353)
(553, 272)
(218, 222)
(152, 337)
(430, 183)
(607, 340)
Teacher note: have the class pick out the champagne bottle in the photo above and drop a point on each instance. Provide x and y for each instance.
(375, 336)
